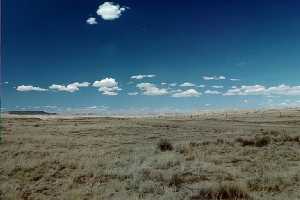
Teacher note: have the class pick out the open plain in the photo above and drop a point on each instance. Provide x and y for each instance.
(221, 155)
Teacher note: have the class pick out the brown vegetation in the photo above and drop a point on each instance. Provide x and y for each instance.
(166, 158)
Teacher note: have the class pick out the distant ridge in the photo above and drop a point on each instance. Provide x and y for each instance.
(30, 113)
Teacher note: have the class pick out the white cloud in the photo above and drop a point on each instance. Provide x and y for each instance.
(107, 86)
(28, 88)
(208, 78)
(262, 90)
(187, 93)
(151, 89)
(91, 107)
(201, 86)
(140, 76)
(132, 93)
(163, 83)
(284, 90)
(91, 21)
(217, 86)
(187, 84)
(110, 10)
(83, 84)
(73, 87)
(212, 92)
(172, 84)
(235, 79)
(4, 83)
(246, 90)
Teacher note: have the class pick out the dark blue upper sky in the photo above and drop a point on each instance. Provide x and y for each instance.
(49, 42)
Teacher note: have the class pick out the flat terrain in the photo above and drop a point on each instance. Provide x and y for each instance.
(236, 155)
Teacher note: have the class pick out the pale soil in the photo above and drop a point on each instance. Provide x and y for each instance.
(118, 158)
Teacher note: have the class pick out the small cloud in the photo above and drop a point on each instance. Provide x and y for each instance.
(234, 79)
(151, 89)
(212, 92)
(245, 101)
(140, 76)
(163, 83)
(91, 21)
(201, 86)
(91, 107)
(187, 84)
(108, 86)
(217, 86)
(73, 87)
(50, 107)
(28, 88)
(110, 10)
(132, 93)
(172, 84)
(4, 83)
(187, 93)
(208, 78)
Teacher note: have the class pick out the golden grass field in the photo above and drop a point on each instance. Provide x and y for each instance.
(235, 155)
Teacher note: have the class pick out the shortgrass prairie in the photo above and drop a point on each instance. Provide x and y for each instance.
(236, 155)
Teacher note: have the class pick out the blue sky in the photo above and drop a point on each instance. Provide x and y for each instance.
(150, 55)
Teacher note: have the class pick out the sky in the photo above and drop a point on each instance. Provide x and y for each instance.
(149, 56)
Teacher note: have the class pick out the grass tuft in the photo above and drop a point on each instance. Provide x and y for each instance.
(257, 141)
(165, 145)
(228, 190)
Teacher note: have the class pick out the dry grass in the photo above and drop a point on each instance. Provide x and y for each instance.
(257, 141)
(220, 191)
(167, 158)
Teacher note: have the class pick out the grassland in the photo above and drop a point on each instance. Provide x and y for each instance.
(236, 155)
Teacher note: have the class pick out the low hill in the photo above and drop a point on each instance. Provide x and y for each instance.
(30, 113)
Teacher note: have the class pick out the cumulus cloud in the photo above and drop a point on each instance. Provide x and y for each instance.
(151, 89)
(246, 90)
(91, 21)
(28, 88)
(187, 93)
(208, 78)
(201, 86)
(187, 84)
(172, 84)
(212, 92)
(107, 86)
(110, 11)
(140, 76)
(73, 87)
(262, 90)
(235, 79)
(284, 90)
(217, 86)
